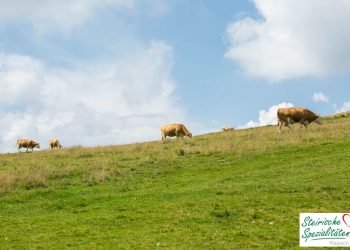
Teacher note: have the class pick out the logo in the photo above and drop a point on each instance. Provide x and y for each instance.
(325, 229)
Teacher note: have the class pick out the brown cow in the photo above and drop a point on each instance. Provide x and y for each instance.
(26, 143)
(287, 116)
(171, 130)
(54, 143)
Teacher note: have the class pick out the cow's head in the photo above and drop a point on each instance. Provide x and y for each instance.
(189, 135)
(318, 119)
(36, 145)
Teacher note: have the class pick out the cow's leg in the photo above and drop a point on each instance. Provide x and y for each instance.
(177, 134)
(163, 136)
(27, 149)
(279, 126)
(289, 122)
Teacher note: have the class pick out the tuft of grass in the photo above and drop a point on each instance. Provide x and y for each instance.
(180, 152)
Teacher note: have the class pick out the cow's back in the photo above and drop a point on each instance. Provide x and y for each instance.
(23, 142)
(296, 114)
(170, 129)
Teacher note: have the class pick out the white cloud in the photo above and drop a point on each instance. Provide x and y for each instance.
(292, 39)
(115, 102)
(267, 117)
(65, 15)
(344, 108)
(60, 15)
(320, 97)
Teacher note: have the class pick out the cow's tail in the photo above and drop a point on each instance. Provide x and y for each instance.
(279, 119)
(162, 132)
(18, 144)
(278, 115)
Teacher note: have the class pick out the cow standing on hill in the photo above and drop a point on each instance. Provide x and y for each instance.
(26, 143)
(171, 130)
(54, 143)
(287, 116)
(227, 128)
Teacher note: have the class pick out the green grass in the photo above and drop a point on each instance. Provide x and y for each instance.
(234, 190)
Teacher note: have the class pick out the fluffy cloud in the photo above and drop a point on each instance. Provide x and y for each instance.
(320, 97)
(344, 108)
(60, 15)
(267, 117)
(115, 102)
(292, 39)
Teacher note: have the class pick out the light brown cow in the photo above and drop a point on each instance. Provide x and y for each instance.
(287, 116)
(54, 143)
(171, 130)
(227, 128)
(26, 143)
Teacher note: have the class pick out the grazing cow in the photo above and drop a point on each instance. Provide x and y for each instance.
(287, 116)
(227, 128)
(171, 130)
(28, 144)
(54, 143)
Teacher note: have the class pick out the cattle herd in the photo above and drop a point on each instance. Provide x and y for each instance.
(286, 117)
(31, 144)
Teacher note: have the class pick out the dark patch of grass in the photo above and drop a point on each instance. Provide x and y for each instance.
(223, 213)
(180, 152)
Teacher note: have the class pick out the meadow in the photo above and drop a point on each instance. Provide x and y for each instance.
(241, 189)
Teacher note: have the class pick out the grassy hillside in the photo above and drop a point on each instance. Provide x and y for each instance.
(232, 190)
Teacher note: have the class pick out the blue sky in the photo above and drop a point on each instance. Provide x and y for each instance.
(112, 71)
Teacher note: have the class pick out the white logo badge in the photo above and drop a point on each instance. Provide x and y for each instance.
(325, 229)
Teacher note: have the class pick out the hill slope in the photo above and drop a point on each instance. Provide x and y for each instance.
(232, 190)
